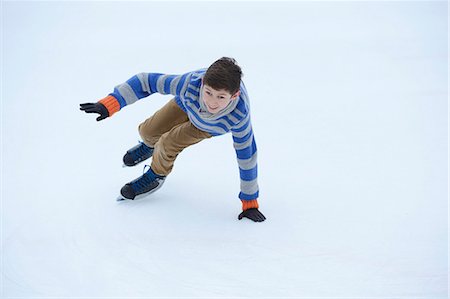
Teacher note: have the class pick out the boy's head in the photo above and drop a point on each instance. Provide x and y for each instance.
(221, 84)
(224, 74)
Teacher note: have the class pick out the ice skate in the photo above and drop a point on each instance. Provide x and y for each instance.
(144, 185)
(137, 154)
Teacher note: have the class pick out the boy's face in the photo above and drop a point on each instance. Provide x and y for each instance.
(216, 100)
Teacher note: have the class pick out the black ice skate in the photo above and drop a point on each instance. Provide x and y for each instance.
(137, 154)
(144, 185)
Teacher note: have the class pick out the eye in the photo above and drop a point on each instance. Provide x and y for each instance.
(208, 93)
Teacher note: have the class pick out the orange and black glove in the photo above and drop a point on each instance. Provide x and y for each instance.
(106, 107)
(250, 211)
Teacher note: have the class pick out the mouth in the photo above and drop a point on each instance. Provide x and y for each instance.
(211, 108)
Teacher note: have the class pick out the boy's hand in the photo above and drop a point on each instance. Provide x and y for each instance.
(95, 108)
(253, 214)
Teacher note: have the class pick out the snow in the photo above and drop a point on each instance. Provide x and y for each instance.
(349, 108)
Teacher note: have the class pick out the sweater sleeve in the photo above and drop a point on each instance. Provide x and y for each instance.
(245, 146)
(142, 85)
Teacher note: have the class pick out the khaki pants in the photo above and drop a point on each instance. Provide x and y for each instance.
(169, 131)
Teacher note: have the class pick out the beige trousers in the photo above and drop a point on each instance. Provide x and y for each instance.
(169, 131)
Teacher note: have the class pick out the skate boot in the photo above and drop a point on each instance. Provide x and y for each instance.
(144, 185)
(137, 154)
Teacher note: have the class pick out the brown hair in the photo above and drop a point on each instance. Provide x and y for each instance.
(224, 74)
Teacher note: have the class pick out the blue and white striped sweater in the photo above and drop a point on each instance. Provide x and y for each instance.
(187, 91)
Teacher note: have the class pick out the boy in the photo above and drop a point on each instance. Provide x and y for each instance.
(207, 103)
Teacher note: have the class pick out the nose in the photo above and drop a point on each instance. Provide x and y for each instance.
(212, 102)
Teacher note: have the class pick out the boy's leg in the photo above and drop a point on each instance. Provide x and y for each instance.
(172, 143)
(169, 116)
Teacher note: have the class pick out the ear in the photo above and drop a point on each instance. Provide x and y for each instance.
(236, 95)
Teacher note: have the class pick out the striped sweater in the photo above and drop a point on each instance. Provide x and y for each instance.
(187, 91)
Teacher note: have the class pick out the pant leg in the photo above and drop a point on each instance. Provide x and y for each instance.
(172, 143)
(169, 116)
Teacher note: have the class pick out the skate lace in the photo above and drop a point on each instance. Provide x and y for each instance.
(142, 150)
(146, 179)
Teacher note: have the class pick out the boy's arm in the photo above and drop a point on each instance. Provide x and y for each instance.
(246, 152)
(142, 85)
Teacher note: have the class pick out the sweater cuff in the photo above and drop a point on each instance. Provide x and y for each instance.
(111, 104)
(249, 204)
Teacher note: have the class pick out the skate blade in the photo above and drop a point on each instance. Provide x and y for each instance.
(140, 196)
(127, 166)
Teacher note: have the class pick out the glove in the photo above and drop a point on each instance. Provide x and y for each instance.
(95, 108)
(252, 214)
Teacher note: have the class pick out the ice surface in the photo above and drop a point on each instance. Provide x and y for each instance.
(349, 108)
